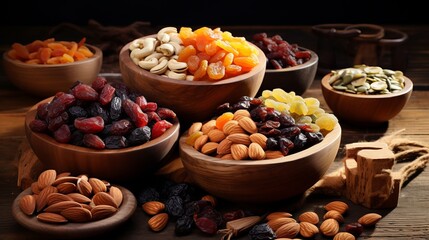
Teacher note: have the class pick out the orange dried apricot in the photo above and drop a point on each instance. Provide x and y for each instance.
(224, 118)
(216, 70)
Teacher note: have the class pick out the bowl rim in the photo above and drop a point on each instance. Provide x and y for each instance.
(326, 86)
(43, 137)
(97, 54)
(314, 59)
(126, 61)
(328, 140)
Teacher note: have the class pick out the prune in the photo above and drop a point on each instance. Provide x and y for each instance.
(76, 138)
(354, 228)
(290, 132)
(314, 137)
(300, 142)
(115, 142)
(139, 136)
(184, 225)
(225, 107)
(285, 145)
(148, 194)
(245, 104)
(174, 206)
(262, 232)
(272, 143)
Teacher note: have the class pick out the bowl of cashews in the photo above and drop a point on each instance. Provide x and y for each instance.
(175, 69)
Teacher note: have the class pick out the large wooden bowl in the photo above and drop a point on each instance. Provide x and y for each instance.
(42, 80)
(261, 181)
(191, 100)
(297, 79)
(365, 109)
(110, 164)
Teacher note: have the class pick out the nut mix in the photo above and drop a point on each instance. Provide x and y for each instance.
(102, 116)
(87, 199)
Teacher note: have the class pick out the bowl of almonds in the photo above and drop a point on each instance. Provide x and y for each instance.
(259, 154)
(366, 94)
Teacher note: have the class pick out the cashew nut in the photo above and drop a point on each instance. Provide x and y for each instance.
(148, 48)
(177, 47)
(164, 38)
(138, 43)
(160, 68)
(174, 37)
(166, 48)
(148, 64)
(166, 30)
(174, 75)
(156, 55)
(176, 66)
(189, 78)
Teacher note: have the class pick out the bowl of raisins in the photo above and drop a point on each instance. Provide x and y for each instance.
(102, 129)
(289, 66)
(257, 152)
(202, 79)
(42, 68)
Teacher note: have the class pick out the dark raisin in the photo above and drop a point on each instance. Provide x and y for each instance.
(262, 232)
(115, 108)
(148, 194)
(174, 206)
(77, 112)
(184, 225)
(139, 136)
(115, 142)
(95, 109)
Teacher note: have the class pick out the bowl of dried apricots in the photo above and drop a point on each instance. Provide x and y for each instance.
(192, 71)
(44, 67)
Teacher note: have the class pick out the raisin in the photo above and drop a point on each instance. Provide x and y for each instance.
(62, 134)
(115, 142)
(106, 95)
(184, 225)
(136, 114)
(77, 112)
(115, 108)
(120, 128)
(139, 136)
(354, 228)
(42, 111)
(38, 125)
(85, 92)
(174, 206)
(262, 232)
(59, 104)
(148, 194)
(95, 109)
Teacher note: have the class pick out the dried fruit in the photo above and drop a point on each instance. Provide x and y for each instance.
(158, 222)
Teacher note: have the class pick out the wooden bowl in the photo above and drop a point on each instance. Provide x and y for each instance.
(361, 108)
(111, 164)
(191, 100)
(297, 79)
(45, 80)
(261, 181)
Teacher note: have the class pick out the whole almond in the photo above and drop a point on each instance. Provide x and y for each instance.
(77, 197)
(57, 197)
(200, 141)
(224, 147)
(329, 227)
(158, 222)
(27, 204)
(216, 135)
(260, 139)
(46, 178)
(227, 157)
(344, 236)
(310, 217)
(238, 114)
(60, 206)
(102, 211)
(275, 215)
(97, 185)
(77, 214)
(335, 215)
(308, 230)
(63, 174)
(103, 198)
(209, 125)
(117, 195)
(272, 154)
(48, 217)
(248, 125)
(369, 219)
(239, 151)
(256, 152)
(42, 199)
(195, 127)
(288, 230)
(65, 179)
(35, 188)
(209, 148)
(339, 206)
(275, 223)
(239, 138)
(232, 127)
(153, 207)
(84, 187)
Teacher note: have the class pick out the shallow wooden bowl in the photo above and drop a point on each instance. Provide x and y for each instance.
(365, 109)
(297, 79)
(110, 164)
(46, 80)
(261, 181)
(191, 100)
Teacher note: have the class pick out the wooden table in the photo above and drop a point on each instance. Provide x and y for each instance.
(409, 220)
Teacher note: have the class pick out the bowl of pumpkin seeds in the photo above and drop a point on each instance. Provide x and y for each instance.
(366, 94)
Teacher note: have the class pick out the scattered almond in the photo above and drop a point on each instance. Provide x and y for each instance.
(288, 230)
(308, 230)
(335, 215)
(310, 217)
(344, 236)
(158, 222)
(369, 219)
(153, 207)
(339, 206)
(329, 227)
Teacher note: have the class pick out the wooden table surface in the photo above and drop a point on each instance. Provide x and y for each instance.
(409, 220)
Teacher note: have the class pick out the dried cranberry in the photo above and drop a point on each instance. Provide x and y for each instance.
(159, 128)
(106, 95)
(62, 134)
(85, 92)
(93, 141)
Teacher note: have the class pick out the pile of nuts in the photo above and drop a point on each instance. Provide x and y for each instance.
(61, 198)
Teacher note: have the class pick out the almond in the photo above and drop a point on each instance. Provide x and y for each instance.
(369, 219)
(48, 217)
(77, 214)
(117, 195)
(272, 154)
(42, 199)
(77, 197)
(97, 185)
(335, 215)
(216, 135)
(248, 125)
(158, 222)
(209, 148)
(224, 147)
(27, 204)
(232, 127)
(239, 138)
(66, 188)
(63, 174)
(35, 188)
(307, 229)
(60, 206)
(83, 176)
(310, 217)
(103, 198)
(288, 230)
(65, 179)
(102, 211)
(209, 125)
(275, 223)
(153, 207)
(260, 139)
(200, 141)
(46, 178)
(275, 215)
(57, 197)
(84, 187)
(344, 236)
(239, 151)
(256, 152)
(329, 227)
(339, 206)
(238, 114)
(195, 127)
(227, 157)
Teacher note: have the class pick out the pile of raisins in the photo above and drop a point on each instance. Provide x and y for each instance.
(281, 130)
(280, 54)
(102, 115)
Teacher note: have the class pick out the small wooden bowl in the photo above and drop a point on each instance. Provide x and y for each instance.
(297, 79)
(191, 100)
(361, 108)
(261, 181)
(110, 164)
(45, 80)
